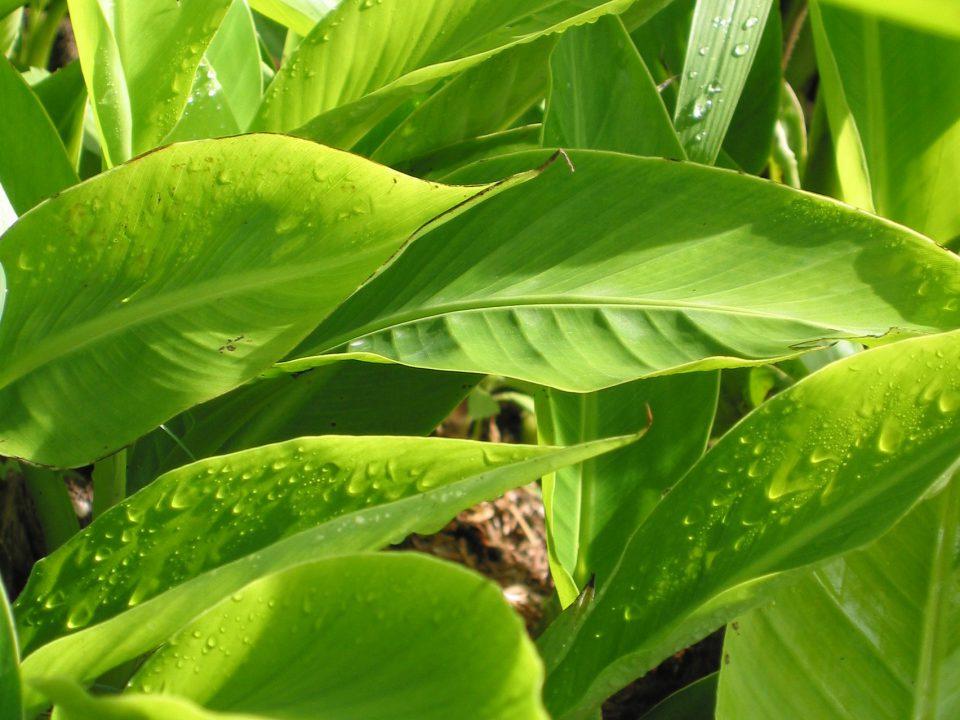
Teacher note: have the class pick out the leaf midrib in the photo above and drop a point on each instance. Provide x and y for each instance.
(581, 301)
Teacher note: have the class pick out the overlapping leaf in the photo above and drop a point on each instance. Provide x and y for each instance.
(202, 532)
(180, 276)
(437, 639)
(366, 57)
(326, 395)
(139, 79)
(898, 139)
(685, 267)
(824, 467)
(34, 163)
(593, 508)
(602, 96)
(872, 634)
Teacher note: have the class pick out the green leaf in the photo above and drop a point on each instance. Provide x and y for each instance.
(202, 532)
(72, 703)
(448, 160)
(593, 508)
(872, 634)
(898, 140)
(602, 96)
(298, 15)
(234, 54)
(937, 16)
(365, 58)
(788, 158)
(485, 99)
(510, 288)
(139, 79)
(330, 394)
(207, 114)
(695, 701)
(751, 132)
(824, 467)
(271, 233)
(64, 97)
(33, 164)
(444, 644)
(10, 694)
(724, 37)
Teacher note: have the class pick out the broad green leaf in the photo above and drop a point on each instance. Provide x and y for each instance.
(73, 703)
(182, 275)
(593, 508)
(937, 16)
(33, 164)
(64, 97)
(228, 82)
(234, 54)
(908, 132)
(365, 58)
(485, 99)
(207, 114)
(751, 132)
(724, 37)
(602, 96)
(330, 394)
(139, 58)
(872, 634)
(10, 696)
(202, 532)
(511, 287)
(695, 701)
(298, 15)
(824, 467)
(436, 641)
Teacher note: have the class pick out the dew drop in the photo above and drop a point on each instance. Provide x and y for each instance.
(891, 435)
(741, 49)
(948, 402)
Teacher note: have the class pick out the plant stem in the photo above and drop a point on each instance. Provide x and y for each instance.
(109, 482)
(54, 509)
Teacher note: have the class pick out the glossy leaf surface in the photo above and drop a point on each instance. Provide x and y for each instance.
(939, 16)
(907, 132)
(182, 275)
(33, 164)
(602, 96)
(872, 634)
(724, 37)
(511, 288)
(824, 467)
(440, 640)
(365, 58)
(238, 517)
(139, 81)
(593, 508)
